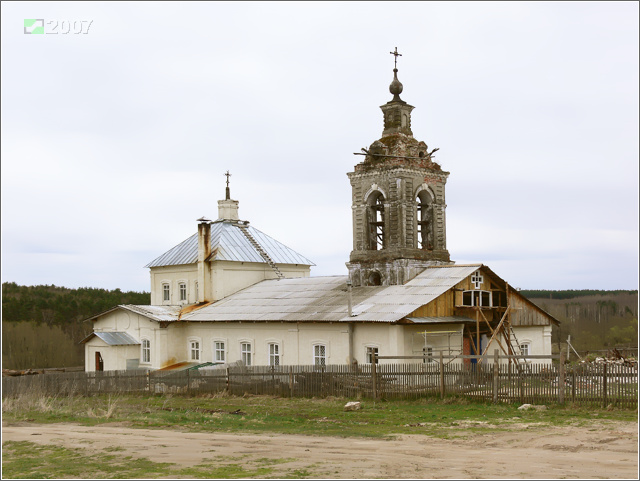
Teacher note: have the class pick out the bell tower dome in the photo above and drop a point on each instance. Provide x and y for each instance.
(398, 202)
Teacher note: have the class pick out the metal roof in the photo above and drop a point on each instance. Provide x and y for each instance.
(228, 243)
(325, 299)
(115, 338)
(156, 313)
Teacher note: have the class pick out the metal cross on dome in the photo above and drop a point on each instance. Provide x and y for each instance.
(396, 55)
(228, 192)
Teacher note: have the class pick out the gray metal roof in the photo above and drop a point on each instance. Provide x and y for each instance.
(325, 299)
(228, 243)
(156, 313)
(115, 338)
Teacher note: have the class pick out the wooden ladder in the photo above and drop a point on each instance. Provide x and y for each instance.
(245, 230)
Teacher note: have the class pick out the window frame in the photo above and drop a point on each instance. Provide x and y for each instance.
(183, 293)
(145, 351)
(475, 296)
(197, 349)
(166, 292)
(246, 355)
(274, 357)
(368, 352)
(317, 356)
(216, 350)
(428, 350)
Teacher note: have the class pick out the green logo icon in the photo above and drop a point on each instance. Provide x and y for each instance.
(34, 26)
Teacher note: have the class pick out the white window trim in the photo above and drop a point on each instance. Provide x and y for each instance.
(473, 297)
(326, 351)
(252, 343)
(215, 351)
(280, 344)
(366, 349)
(189, 348)
(162, 284)
(528, 343)
(477, 284)
(142, 361)
(186, 291)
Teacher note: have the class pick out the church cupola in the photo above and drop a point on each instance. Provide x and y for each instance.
(228, 208)
(398, 202)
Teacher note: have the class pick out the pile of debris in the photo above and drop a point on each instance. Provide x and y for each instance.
(613, 357)
(23, 372)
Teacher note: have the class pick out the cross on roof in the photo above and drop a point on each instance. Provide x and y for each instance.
(228, 192)
(396, 55)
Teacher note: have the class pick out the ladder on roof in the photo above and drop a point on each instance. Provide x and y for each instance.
(256, 245)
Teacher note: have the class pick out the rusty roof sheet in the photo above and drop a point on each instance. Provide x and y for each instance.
(228, 243)
(321, 299)
(156, 313)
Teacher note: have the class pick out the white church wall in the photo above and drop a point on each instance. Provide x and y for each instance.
(173, 276)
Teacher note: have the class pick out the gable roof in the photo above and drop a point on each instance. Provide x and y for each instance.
(326, 299)
(228, 243)
(155, 313)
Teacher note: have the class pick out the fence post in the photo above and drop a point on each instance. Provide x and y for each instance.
(373, 377)
(604, 384)
(496, 357)
(291, 381)
(441, 375)
(561, 379)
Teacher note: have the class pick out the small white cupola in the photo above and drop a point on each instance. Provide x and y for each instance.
(228, 208)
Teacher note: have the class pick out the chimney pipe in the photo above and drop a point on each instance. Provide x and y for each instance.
(349, 302)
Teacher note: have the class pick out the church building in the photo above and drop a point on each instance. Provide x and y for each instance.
(231, 293)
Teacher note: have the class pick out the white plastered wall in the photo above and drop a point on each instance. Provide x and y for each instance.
(227, 277)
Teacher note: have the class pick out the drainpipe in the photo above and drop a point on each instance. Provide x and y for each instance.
(204, 268)
(351, 324)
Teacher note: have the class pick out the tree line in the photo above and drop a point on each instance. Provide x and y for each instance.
(42, 325)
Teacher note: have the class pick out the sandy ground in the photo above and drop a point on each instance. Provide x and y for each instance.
(602, 450)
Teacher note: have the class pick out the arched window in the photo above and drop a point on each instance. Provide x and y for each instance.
(374, 279)
(375, 221)
(424, 214)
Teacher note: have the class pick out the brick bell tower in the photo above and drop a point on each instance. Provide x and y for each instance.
(398, 203)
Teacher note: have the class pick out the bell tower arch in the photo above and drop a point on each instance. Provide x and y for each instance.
(398, 203)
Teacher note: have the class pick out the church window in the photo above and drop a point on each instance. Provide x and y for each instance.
(219, 353)
(477, 279)
(424, 215)
(371, 354)
(319, 355)
(183, 291)
(477, 298)
(375, 221)
(245, 350)
(374, 279)
(524, 348)
(197, 292)
(166, 295)
(194, 349)
(274, 354)
(146, 351)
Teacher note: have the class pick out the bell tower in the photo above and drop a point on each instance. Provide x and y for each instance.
(398, 202)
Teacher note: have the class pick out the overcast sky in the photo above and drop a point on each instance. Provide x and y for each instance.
(115, 141)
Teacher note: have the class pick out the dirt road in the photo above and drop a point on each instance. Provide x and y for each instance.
(604, 450)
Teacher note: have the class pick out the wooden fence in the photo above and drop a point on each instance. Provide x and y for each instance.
(595, 384)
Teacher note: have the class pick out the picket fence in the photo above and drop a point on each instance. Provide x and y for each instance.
(589, 384)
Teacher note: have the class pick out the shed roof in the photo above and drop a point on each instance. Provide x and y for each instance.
(228, 243)
(113, 338)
